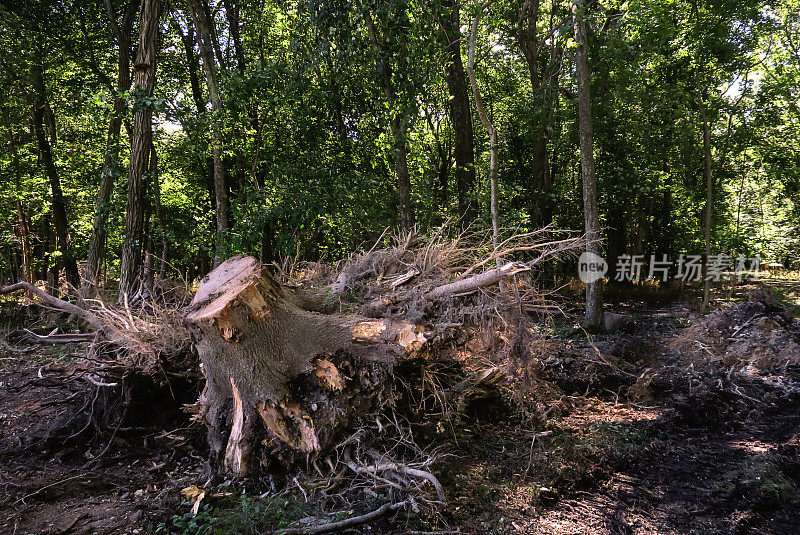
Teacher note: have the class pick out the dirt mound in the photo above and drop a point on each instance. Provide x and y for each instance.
(756, 337)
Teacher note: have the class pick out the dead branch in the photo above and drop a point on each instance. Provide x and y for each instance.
(53, 338)
(347, 523)
(503, 249)
(487, 278)
(55, 302)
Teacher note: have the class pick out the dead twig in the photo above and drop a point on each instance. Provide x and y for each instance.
(55, 302)
(346, 523)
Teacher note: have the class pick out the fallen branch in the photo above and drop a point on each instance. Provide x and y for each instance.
(346, 523)
(550, 247)
(488, 278)
(60, 338)
(55, 302)
(496, 275)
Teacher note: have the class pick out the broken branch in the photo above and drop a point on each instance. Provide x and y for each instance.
(346, 523)
(54, 302)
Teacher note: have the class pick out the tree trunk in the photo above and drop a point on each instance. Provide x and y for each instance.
(141, 140)
(487, 123)
(207, 166)
(202, 24)
(303, 374)
(460, 113)
(594, 290)
(97, 244)
(59, 205)
(709, 201)
(232, 15)
(157, 211)
(616, 240)
(544, 71)
(24, 231)
(407, 217)
(397, 123)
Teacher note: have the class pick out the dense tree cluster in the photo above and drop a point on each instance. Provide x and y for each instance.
(145, 137)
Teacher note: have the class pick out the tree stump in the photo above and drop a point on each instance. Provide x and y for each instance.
(268, 359)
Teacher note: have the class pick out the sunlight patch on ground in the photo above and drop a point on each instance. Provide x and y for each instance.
(753, 446)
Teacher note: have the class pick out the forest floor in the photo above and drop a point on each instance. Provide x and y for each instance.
(677, 423)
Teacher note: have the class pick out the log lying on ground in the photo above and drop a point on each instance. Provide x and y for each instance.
(303, 374)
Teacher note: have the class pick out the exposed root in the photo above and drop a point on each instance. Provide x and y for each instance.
(398, 468)
(346, 523)
(139, 338)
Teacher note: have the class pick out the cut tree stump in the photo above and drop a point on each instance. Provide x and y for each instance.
(304, 374)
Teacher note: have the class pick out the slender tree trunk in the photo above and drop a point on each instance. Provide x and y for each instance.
(594, 290)
(544, 71)
(157, 211)
(531, 47)
(460, 113)
(59, 205)
(43, 248)
(97, 244)
(199, 12)
(150, 219)
(141, 141)
(192, 65)
(397, 124)
(232, 15)
(487, 123)
(709, 201)
(24, 231)
(407, 217)
(615, 239)
(23, 222)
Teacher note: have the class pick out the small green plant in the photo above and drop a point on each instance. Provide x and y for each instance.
(201, 523)
(621, 432)
(241, 515)
(341, 515)
(252, 516)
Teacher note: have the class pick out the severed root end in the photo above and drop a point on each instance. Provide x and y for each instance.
(291, 424)
(237, 454)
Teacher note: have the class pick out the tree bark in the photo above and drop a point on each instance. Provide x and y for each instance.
(202, 23)
(24, 231)
(259, 349)
(487, 123)
(58, 203)
(544, 71)
(97, 244)
(141, 140)
(460, 113)
(397, 124)
(157, 211)
(709, 201)
(594, 290)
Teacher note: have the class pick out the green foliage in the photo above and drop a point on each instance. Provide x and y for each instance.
(189, 523)
(242, 515)
(309, 154)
